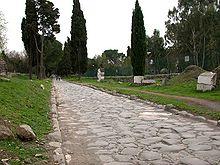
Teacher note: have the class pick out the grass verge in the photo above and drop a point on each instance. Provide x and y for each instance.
(22, 101)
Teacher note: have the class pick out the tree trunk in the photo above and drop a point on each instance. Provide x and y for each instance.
(195, 54)
(42, 70)
(203, 57)
(30, 63)
(30, 67)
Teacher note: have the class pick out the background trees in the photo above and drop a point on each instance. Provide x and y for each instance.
(78, 40)
(53, 53)
(156, 53)
(2, 32)
(138, 42)
(192, 28)
(64, 66)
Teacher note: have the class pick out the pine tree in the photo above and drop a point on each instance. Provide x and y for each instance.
(78, 40)
(138, 41)
(48, 25)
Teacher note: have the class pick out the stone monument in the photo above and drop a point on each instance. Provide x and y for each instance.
(100, 74)
(206, 81)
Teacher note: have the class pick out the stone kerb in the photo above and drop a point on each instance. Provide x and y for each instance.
(55, 136)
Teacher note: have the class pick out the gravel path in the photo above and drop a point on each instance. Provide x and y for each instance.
(92, 127)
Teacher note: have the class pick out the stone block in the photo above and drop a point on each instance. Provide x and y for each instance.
(148, 82)
(25, 133)
(204, 87)
(138, 79)
(206, 81)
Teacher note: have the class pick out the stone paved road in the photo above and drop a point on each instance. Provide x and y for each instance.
(99, 128)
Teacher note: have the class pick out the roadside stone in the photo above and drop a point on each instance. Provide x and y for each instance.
(130, 151)
(55, 144)
(123, 158)
(118, 163)
(168, 107)
(25, 133)
(149, 141)
(149, 156)
(170, 141)
(99, 143)
(133, 97)
(5, 133)
(106, 158)
(55, 136)
(160, 162)
(126, 140)
(200, 118)
(172, 148)
(192, 161)
(187, 135)
(218, 123)
(200, 147)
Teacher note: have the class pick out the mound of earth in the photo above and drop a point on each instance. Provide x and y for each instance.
(217, 71)
(191, 72)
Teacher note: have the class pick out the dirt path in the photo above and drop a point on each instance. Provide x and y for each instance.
(211, 105)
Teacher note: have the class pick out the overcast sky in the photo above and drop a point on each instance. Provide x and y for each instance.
(108, 21)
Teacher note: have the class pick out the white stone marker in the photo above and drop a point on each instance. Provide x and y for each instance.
(206, 81)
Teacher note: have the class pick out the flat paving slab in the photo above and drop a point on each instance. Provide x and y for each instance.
(99, 128)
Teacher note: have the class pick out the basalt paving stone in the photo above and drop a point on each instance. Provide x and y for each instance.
(99, 128)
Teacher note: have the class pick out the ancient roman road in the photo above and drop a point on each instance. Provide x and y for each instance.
(99, 128)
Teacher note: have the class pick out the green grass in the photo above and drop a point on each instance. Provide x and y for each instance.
(180, 88)
(22, 101)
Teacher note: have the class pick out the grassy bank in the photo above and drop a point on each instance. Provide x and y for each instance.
(24, 102)
(175, 88)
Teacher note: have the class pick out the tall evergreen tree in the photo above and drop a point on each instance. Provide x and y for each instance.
(78, 40)
(138, 41)
(29, 27)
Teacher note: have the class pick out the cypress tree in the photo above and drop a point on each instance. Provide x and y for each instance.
(29, 27)
(78, 40)
(138, 41)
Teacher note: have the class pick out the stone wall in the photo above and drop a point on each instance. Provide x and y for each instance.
(130, 78)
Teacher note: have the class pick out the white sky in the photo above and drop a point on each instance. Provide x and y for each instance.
(108, 21)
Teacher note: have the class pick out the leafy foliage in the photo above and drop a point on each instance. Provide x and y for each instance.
(192, 30)
(53, 54)
(2, 32)
(156, 53)
(40, 22)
